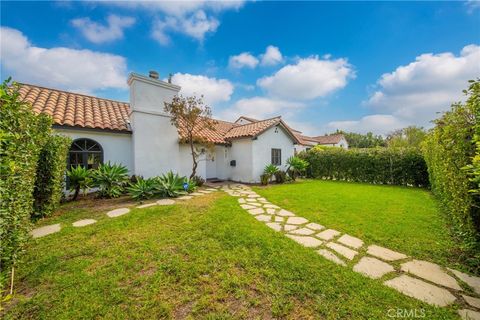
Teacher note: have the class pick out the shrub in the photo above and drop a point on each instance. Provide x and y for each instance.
(296, 167)
(22, 136)
(448, 148)
(79, 178)
(199, 181)
(192, 184)
(50, 175)
(264, 178)
(280, 176)
(110, 179)
(171, 184)
(143, 189)
(270, 170)
(379, 166)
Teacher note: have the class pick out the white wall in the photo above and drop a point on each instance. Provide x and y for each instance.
(222, 161)
(273, 138)
(117, 147)
(241, 152)
(185, 163)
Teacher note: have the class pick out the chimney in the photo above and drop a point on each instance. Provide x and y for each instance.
(153, 74)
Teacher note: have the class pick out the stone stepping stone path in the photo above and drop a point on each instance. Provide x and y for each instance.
(118, 212)
(422, 280)
(84, 222)
(165, 202)
(45, 231)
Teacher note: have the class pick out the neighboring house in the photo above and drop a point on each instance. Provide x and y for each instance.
(306, 142)
(140, 135)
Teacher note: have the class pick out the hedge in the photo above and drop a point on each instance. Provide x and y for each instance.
(375, 165)
(449, 148)
(50, 175)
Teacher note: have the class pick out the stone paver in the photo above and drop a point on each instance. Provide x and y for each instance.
(247, 206)
(372, 267)
(165, 202)
(185, 198)
(241, 200)
(421, 290)
(328, 234)
(289, 227)
(45, 231)
(315, 226)
(211, 189)
(296, 220)
(278, 219)
(350, 241)
(331, 256)
(257, 211)
(117, 212)
(285, 213)
(84, 222)
(469, 314)
(204, 191)
(251, 200)
(344, 251)
(384, 253)
(254, 196)
(196, 194)
(472, 281)
(474, 302)
(271, 211)
(431, 272)
(309, 242)
(146, 205)
(275, 226)
(263, 218)
(302, 231)
(272, 206)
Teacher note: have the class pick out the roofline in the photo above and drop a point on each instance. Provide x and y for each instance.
(157, 82)
(284, 125)
(77, 128)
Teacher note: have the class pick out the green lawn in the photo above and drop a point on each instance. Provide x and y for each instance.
(203, 259)
(400, 218)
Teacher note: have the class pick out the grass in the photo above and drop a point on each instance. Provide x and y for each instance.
(400, 218)
(203, 259)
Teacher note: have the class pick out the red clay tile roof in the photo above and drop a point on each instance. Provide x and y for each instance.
(214, 136)
(332, 139)
(251, 129)
(77, 110)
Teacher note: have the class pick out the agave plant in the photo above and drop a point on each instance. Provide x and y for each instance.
(143, 189)
(296, 167)
(79, 178)
(110, 179)
(270, 170)
(170, 184)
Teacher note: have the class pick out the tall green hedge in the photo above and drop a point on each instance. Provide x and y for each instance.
(374, 165)
(449, 148)
(50, 175)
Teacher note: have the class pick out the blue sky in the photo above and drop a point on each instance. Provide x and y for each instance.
(357, 66)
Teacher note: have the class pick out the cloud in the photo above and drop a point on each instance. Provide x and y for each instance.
(377, 123)
(260, 108)
(98, 33)
(192, 18)
(472, 5)
(418, 91)
(271, 57)
(214, 90)
(308, 79)
(242, 60)
(69, 69)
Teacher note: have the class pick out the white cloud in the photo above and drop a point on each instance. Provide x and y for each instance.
(272, 56)
(70, 69)
(98, 33)
(472, 5)
(192, 18)
(213, 90)
(260, 108)
(244, 59)
(308, 79)
(418, 91)
(377, 123)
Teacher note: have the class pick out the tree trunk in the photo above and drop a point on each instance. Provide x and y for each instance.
(195, 164)
(75, 195)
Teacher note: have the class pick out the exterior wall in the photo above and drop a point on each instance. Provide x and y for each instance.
(301, 147)
(117, 147)
(273, 138)
(222, 161)
(242, 152)
(342, 144)
(184, 166)
(242, 121)
(155, 140)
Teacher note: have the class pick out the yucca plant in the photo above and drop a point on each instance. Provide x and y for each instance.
(110, 179)
(296, 167)
(270, 170)
(79, 178)
(143, 189)
(170, 184)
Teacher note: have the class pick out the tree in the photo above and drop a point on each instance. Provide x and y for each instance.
(411, 136)
(358, 140)
(191, 116)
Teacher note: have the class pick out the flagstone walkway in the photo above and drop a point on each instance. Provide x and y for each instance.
(422, 280)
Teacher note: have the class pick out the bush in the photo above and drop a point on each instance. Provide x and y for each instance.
(111, 180)
(270, 171)
(379, 165)
(143, 189)
(280, 176)
(448, 148)
(171, 184)
(296, 167)
(198, 181)
(79, 178)
(22, 135)
(50, 176)
(264, 178)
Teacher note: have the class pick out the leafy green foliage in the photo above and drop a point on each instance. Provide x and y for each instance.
(448, 148)
(143, 189)
(198, 181)
(270, 170)
(296, 167)
(110, 179)
(22, 136)
(171, 184)
(50, 175)
(375, 165)
(79, 178)
(264, 179)
(358, 140)
(280, 176)
(409, 137)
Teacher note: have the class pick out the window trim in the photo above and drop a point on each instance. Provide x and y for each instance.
(276, 156)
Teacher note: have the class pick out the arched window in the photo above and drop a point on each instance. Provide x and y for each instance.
(86, 153)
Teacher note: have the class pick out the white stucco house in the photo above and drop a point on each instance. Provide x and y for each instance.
(140, 135)
(306, 142)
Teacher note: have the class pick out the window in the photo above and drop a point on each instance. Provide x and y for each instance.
(86, 153)
(277, 157)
